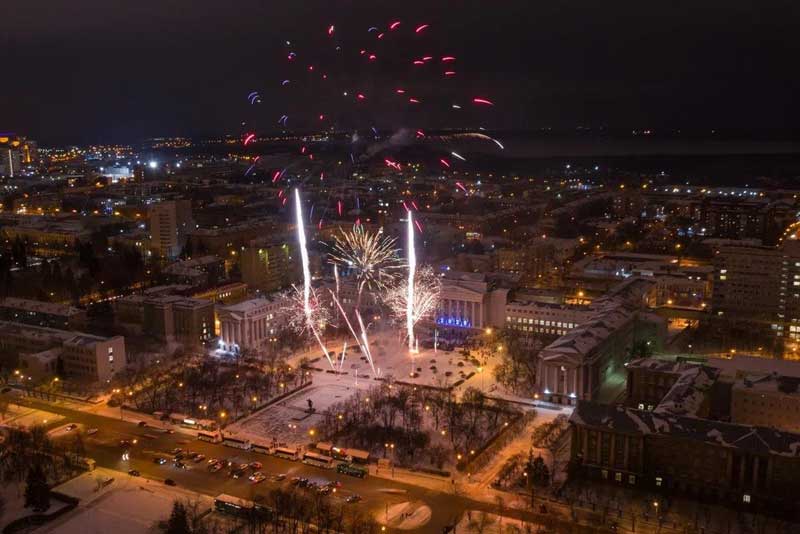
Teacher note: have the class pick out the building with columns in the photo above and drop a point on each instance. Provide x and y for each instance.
(751, 467)
(575, 365)
(249, 325)
(471, 301)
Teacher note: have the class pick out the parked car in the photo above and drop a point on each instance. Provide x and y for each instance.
(169, 482)
(280, 476)
(91, 431)
(237, 473)
(256, 466)
(181, 465)
(215, 467)
(160, 460)
(71, 427)
(354, 498)
(199, 458)
(177, 450)
(134, 473)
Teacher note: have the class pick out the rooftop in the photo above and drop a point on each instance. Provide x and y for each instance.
(38, 306)
(753, 439)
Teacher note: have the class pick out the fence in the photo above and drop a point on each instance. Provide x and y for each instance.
(489, 450)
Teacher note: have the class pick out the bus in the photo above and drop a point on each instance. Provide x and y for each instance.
(357, 456)
(259, 448)
(211, 437)
(285, 453)
(352, 470)
(228, 504)
(243, 444)
(318, 460)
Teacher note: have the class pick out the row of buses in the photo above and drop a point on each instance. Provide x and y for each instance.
(351, 462)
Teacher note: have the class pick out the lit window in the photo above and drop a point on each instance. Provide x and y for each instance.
(618, 477)
(631, 479)
(659, 481)
(746, 498)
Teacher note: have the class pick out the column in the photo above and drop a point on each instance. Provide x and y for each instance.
(769, 473)
(611, 450)
(742, 464)
(626, 454)
(543, 374)
(585, 443)
(756, 463)
(480, 315)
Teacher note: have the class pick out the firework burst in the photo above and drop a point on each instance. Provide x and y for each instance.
(372, 257)
(426, 294)
(306, 321)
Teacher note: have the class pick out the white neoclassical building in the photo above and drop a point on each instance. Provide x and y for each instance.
(249, 324)
(468, 300)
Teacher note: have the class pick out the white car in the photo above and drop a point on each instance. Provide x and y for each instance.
(257, 477)
(91, 431)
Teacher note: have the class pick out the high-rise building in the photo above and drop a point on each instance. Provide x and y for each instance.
(747, 280)
(169, 223)
(269, 265)
(760, 285)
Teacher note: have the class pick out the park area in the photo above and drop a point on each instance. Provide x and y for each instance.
(422, 412)
(207, 388)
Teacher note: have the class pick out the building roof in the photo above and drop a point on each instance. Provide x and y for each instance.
(753, 439)
(251, 304)
(687, 395)
(38, 306)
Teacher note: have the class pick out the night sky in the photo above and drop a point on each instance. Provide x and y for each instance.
(121, 70)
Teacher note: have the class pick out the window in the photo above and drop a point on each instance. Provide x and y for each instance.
(659, 481)
(641, 406)
(631, 479)
(604, 474)
(746, 498)
(618, 477)
(111, 354)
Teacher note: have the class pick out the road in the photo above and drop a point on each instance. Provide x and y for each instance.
(377, 493)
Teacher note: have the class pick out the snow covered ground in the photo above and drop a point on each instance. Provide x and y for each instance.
(128, 505)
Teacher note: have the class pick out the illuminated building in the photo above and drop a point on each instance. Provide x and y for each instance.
(269, 265)
(249, 324)
(40, 313)
(83, 356)
(576, 365)
(169, 223)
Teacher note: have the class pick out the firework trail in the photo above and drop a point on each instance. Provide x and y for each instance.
(301, 237)
(412, 268)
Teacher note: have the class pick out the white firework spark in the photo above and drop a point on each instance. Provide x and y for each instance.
(412, 272)
(312, 317)
(427, 288)
(372, 257)
(306, 318)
